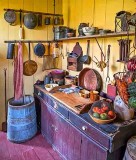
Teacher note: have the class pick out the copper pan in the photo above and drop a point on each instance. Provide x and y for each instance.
(29, 66)
(90, 79)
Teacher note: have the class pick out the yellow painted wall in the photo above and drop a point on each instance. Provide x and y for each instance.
(102, 15)
(99, 13)
(8, 32)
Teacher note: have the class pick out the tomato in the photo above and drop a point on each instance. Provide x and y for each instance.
(103, 116)
(99, 111)
(95, 109)
(105, 108)
(111, 114)
(102, 110)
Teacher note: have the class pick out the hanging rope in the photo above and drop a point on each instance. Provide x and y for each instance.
(105, 14)
(54, 19)
(93, 12)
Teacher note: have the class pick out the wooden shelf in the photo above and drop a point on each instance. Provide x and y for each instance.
(117, 34)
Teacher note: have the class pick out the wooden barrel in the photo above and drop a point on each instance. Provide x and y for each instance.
(21, 120)
(130, 153)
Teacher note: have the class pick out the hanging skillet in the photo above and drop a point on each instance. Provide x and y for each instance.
(39, 50)
(30, 20)
(29, 66)
(10, 16)
(86, 59)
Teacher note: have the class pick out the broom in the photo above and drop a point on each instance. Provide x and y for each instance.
(4, 124)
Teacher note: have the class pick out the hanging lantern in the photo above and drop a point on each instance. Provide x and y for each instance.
(121, 20)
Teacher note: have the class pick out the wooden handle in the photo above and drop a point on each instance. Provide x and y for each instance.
(29, 51)
(21, 30)
(88, 46)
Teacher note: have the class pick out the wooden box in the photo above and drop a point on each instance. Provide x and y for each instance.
(74, 64)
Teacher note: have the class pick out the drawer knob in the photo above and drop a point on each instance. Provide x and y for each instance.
(84, 128)
(55, 105)
(54, 127)
(39, 93)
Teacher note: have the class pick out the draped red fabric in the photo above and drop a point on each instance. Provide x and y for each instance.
(18, 74)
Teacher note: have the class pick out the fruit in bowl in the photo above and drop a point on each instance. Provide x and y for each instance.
(102, 114)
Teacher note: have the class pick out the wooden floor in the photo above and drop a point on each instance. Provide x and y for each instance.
(35, 149)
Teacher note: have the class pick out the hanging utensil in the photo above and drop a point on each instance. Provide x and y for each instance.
(108, 58)
(102, 63)
(120, 49)
(48, 60)
(10, 17)
(61, 51)
(67, 51)
(100, 49)
(30, 66)
(86, 59)
(39, 20)
(134, 45)
(21, 29)
(4, 124)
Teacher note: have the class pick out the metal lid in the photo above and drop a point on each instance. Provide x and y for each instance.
(30, 20)
(10, 16)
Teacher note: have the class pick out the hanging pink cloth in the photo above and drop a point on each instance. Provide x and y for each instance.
(18, 74)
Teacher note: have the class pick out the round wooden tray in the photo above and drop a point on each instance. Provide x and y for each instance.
(90, 79)
(100, 121)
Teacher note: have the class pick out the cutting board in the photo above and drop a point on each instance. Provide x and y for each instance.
(72, 101)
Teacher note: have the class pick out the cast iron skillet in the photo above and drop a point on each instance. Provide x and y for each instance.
(86, 59)
(10, 16)
(30, 20)
(39, 50)
(29, 66)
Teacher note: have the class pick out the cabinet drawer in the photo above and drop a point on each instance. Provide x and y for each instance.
(56, 105)
(90, 130)
(39, 93)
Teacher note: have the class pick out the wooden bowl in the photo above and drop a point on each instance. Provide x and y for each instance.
(99, 104)
(100, 121)
(49, 87)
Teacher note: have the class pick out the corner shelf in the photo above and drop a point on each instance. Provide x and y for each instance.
(115, 34)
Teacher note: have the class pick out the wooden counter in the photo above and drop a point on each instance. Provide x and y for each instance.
(77, 136)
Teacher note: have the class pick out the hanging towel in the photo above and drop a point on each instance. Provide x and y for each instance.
(18, 74)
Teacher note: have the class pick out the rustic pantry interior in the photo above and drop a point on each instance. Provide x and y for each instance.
(67, 79)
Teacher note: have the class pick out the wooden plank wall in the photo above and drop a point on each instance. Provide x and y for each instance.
(99, 13)
(8, 32)
(102, 15)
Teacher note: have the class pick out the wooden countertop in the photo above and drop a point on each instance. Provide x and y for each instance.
(73, 100)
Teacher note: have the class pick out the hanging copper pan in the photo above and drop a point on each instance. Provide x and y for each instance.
(29, 66)
(90, 79)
